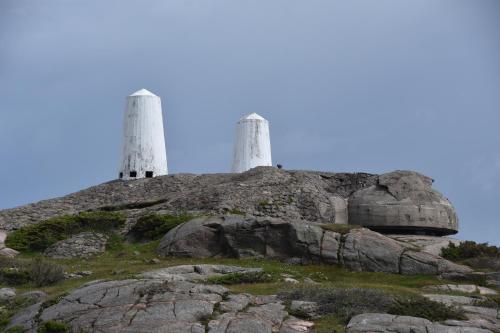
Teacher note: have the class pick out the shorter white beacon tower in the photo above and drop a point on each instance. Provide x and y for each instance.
(143, 154)
(253, 144)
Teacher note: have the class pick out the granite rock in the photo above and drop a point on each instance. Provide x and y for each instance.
(151, 303)
(7, 294)
(300, 241)
(397, 199)
(83, 245)
(386, 323)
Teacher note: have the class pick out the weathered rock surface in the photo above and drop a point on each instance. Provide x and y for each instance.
(315, 196)
(359, 250)
(5, 251)
(83, 245)
(195, 273)
(407, 198)
(463, 288)
(454, 300)
(386, 323)
(478, 316)
(305, 309)
(429, 244)
(34, 296)
(403, 201)
(165, 305)
(6, 294)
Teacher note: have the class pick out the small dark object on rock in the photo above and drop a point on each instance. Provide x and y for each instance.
(279, 166)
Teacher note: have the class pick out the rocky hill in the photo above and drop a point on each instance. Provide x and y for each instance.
(267, 250)
(401, 201)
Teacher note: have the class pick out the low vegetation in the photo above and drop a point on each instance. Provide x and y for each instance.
(243, 278)
(155, 226)
(484, 263)
(39, 237)
(53, 326)
(419, 306)
(340, 228)
(343, 304)
(38, 272)
(9, 308)
(342, 293)
(468, 250)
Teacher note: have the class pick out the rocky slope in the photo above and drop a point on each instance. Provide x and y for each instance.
(401, 201)
(305, 228)
(171, 300)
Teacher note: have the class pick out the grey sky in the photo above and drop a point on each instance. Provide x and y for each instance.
(356, 85)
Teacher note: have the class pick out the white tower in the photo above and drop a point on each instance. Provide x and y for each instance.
(144, 153)
(253, 144)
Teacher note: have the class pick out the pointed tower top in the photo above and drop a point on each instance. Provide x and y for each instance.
(143, 92)
(252, 116)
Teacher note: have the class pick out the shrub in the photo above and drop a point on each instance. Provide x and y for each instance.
(53, 326)
(344, 303)
(14, 276)
(242, 278)
(44, 273)
(419, 306)
(469, 249)
(40, 236)
(115, 242)
(155, 226)
(36, 271)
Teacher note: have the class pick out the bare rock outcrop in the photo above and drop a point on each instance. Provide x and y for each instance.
(396, 202)
(178, 305)
(299, 241)
(386, 323)
(83, 245)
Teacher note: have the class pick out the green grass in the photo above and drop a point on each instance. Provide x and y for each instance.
(129, 259)
(53, 326)
(243, 278)
(329, 324)
(340, 228)
(236, 211)
(134, 258)
(39, 237)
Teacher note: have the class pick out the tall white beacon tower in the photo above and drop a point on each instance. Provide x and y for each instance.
(144, 154)
(252, 147)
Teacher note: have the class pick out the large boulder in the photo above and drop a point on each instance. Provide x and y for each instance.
(7, 294)
(239, 237)
(151, 303)
(83, 245)
(302, 242)
(403, 202)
